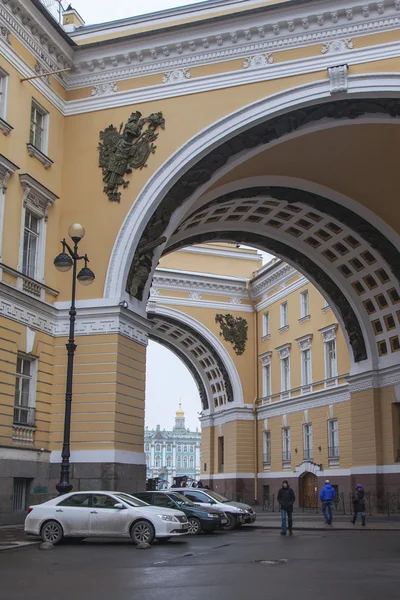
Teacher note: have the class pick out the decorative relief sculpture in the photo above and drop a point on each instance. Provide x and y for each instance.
(337, 46)
(119, 153)
(234, 330)
(176, 76)
(258, 60)
(5, 34)
(338, 79)
(104, 89)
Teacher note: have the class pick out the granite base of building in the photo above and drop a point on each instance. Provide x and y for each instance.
(27, 482)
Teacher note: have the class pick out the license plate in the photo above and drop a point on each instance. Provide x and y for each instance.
(224, 521)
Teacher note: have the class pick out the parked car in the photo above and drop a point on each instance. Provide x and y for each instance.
(236, 512)
(103, 514)
(199, 519)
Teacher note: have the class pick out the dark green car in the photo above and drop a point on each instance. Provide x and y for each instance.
(200, 519)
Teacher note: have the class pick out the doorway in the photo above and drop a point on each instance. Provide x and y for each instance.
(309, 490)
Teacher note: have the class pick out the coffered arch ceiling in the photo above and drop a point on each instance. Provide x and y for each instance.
(211, 367)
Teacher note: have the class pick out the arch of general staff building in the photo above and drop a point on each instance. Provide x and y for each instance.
(269, 126)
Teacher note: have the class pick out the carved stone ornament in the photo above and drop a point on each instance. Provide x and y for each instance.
(284, 351)
(104, 89)
(258, 60)
(266, 358)
(125, 149)
(176, 76)
(305, 342)
(338, 79)
(329, 333)
(5, 34)
(234, 330)
(337, 46)
(261, 134)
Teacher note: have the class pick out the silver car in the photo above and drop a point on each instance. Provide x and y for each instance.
(236, 512)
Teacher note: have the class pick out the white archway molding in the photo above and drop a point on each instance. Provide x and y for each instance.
(387, 84)
(214, 342)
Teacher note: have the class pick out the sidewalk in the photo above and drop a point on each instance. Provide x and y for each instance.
(13, 536)
(316, 522)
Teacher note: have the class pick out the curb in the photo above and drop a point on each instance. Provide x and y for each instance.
(326, 528)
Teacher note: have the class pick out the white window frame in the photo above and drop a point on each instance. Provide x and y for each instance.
(157, 447)
(284, 313)
(185, 448)
(267, 448)
(191, 462)
(147, 447)
(266, 369)
(33, 365)
(4, 79)
(331, 364)
(169, 447)
(306, 368)
(286, 445)
(333, 432)
(179, 449)
(179, 462)
(45, 135)
(308, 441)
(285, 374)
(304, 304)
(265, 325)
(169, 462)
(329, 335)
(185, 462)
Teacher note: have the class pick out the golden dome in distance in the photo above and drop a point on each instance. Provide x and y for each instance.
(180, 412)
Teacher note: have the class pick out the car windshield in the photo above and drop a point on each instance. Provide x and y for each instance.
(180, 499)
(131, 500)
(217, 497)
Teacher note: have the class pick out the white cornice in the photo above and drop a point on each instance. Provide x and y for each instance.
(226, 416)
(165, 279)
(227, 306)
(315, 399)
(223, 253)
(267, 281)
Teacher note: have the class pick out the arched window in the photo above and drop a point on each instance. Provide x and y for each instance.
(169, 461)
(185, 462)
(147, 447)
(191, 462)
(148, 460)
(179, 449)
(158, 461)
(158, 448)
(185, 448)
(169, 448)
(179, 462)
(191, 449)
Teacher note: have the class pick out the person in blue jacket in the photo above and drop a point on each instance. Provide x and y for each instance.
(327, 496)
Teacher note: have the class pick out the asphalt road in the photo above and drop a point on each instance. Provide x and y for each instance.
(359, 565)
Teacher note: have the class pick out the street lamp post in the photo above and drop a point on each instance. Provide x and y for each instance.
(63, 262)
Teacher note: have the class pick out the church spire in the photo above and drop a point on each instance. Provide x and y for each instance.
(180, 417)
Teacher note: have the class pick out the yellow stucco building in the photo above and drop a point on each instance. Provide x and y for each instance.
(268, 124)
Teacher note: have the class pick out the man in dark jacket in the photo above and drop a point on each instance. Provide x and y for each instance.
(286, 498)
(359, 504)
(327, 496)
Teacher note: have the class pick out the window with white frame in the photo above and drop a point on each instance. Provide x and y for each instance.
(306, 376)
(158, 462)
(191, 462)
(286, 456)
(179, 462)
(330, 358)
(308, 445)
(38, 127)
(147, 447)
(31, 245)
(185, 462)
(267, 379)
(333, 438)
(265, 322)
(169, 461)
(191, 449)
(169, 448)
(304, 307)
(267, 448)
(3, 94)
(285, 374)
(24, 397)
(284, 314)
(179, 448)
(158, 448)
(147, 460)
(185, 448)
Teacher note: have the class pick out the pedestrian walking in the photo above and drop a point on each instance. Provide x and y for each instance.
(327, 496)
(286, 499)
(359, 504)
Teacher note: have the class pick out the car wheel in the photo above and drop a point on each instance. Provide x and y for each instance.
(232, 522)
(52, 532)
(142, 531)
(163, 540)
(194, 526)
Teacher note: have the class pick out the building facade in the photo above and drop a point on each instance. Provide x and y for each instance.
(263, 124)
(174, 453)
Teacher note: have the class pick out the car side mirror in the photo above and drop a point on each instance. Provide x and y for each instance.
(120, 506)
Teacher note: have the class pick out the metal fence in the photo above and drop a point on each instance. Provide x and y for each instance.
(269, 503)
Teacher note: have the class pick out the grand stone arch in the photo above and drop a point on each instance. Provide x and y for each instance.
(204, 355)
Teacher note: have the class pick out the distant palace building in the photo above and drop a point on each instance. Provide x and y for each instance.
(173, 453)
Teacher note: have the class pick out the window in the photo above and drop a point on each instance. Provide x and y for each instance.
(179, 449)
(3, 94)
(148, 460)
(77, 500)
(265, 321)
(284, 314)
(267, 380)
(31, 245)
(104, 501)
(267, 448)
(185, 448)
(286, 457)
(20, 494)
(191, 462)
(164, 500)
(185, 462)
(333, 438)
(158, 448)
(221, 454)
(158, 462)
(38, 127)
(169, 448)
(147, 447)
(197, 497)
(307, 433)
(169, 461)
(330, 353)
(24, 411)
(285, 373)
(306, 376)
(304, 308)
(191, 449)
(179, 462)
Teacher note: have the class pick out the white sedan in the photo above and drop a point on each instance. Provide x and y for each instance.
(103, 514)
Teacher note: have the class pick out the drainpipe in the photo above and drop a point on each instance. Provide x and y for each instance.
(255, 420)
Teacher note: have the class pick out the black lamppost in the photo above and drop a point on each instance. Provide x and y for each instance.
(63, 262)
